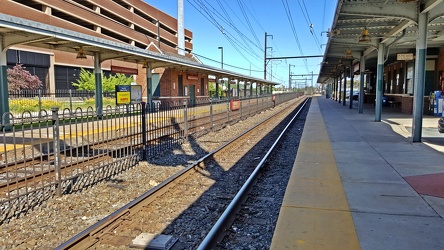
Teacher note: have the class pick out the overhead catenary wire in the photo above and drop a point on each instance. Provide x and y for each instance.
(293, 29)
(211, 13)
(248, 22)
(236, 24)
(309, 23)
(204, 8)
(232, 24)
(226, 64)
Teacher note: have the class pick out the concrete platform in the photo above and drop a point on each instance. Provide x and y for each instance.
(361, 184)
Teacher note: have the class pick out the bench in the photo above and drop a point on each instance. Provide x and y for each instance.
(393, 104)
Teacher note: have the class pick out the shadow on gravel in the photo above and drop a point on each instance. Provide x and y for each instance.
(197, 219)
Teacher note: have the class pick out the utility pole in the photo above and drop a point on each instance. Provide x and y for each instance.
(312, 79)
(265, 55)
(221, 57)
(289, 76)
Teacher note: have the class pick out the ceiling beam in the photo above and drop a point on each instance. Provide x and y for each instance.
(388, 38)
(430, 4)
(397, 10)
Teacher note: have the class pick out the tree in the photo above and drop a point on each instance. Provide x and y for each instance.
(109, 83)
(19, 78)
(212, 89)
(86, 81)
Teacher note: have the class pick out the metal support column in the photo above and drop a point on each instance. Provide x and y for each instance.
(340, 87)
(149, 87)
(361, 85)
(217, 89)
(229, 95)
(98, 81)
(4, 97)
(379, 82)
(418, 90)
(352, 75)
(335, 87)
(345, 86)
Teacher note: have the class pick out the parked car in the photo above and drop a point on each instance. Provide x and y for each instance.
(441, 125)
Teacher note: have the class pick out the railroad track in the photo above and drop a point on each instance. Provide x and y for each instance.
(235, 159)
(37, 170)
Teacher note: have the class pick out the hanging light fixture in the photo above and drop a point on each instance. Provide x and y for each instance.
(364, 38)
(81, 54)
(144, 65)
(349, 55)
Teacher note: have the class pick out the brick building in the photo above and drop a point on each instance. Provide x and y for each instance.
(131, 22)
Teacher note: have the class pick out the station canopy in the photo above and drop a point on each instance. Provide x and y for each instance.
(19, 31)
(359, 26)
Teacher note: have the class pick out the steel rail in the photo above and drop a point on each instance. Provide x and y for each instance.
(79, 241)
(225, 220)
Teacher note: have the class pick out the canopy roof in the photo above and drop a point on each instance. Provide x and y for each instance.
(19, 31)
(391, 22)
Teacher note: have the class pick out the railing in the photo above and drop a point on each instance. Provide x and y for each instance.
(36, 100)
(63, 150)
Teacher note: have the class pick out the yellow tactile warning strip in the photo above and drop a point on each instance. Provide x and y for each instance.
(5, 147)
(315, 213)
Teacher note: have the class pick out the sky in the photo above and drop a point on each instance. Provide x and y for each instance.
(295, 28)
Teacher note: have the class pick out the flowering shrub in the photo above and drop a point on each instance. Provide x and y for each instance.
(106, 101)
(20, 105)
(31, 105)
(19, 78)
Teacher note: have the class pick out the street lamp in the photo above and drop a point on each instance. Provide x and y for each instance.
(222, 56)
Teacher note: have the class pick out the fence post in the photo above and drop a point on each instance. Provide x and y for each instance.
(56, 142)
(262, 103)
(185, 118)
(249, 107)
(228, 111)
(240, 109)
(144, 158)
(211, 114)
(40, 102)
(70, 101)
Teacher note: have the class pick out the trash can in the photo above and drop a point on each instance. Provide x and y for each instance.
(437, 103)
(385, 101)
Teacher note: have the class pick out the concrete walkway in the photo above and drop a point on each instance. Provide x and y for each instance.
(361, 184)
(395, 188)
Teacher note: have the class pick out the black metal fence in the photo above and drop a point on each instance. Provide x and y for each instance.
(65, 150)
